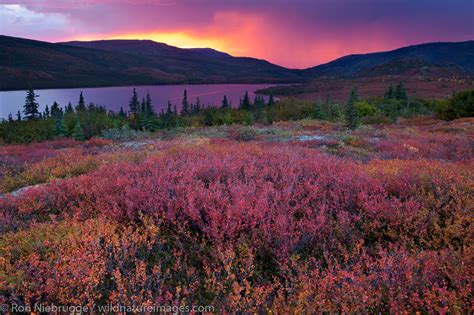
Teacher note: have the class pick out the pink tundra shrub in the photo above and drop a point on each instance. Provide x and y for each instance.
(246, 227)
(14, 158)
(426, 145)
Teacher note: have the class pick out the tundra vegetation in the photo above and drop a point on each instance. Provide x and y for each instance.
(279, 205)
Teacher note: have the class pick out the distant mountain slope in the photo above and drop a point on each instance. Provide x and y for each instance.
(198, 65)
(125, 62)
(455, 58)
(25, 62)
(148, 48)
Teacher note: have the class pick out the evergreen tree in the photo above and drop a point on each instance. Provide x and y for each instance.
(46, 112)
(256, 100)
(92, 108)
(400, 92)
(18, 116)
(245, 102)
(148, 105)
(328, 108)
(271, 101)
(134, 104)
(389, 94)
(69, 109)
(169, 111)
(30, 109)
(59, 128)
(197, 108)
(185, 104)
(225, 102)
(81, 105)
(143, 106)
(352, 116)
(78, 133)
(122, 112)
(10, 117)
(55, 109)
(317, 111)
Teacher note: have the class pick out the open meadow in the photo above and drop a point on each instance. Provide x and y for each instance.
(296, 216)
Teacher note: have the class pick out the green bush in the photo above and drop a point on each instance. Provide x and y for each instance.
(365, 109)
(378, 118)
(246, 134)
(27, 131)
(290, 109)
(458, 106)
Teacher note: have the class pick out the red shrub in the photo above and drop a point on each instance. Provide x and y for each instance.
(248, 227)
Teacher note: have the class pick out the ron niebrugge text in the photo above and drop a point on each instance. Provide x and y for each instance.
(114, 308)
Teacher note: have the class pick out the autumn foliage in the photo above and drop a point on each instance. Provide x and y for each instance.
(249, 226)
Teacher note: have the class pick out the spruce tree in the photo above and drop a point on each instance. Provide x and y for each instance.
(185, 104)
(148, 105)
(256, 100)
(245, 105)
(18, 116)
(46, 112)
(10, 117)
(59, 128)
(30, 109)
(143, 106)
(317, 111)
(198, 105)
(134, 105)
(81, 105)
(225, 102)
(400, 92)
(92, 108)
(271, 101)
(55, 109)
(69, 109)
(328, 108)
(122, 112)
(78, 133)
(352, 117)
(389, 94)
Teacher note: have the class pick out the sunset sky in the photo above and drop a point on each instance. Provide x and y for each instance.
(292, 33)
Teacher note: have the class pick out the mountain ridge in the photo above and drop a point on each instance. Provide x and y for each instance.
(437, 53)
(74, 64)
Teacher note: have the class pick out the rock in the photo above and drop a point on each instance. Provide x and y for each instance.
(20, 191)
(304, 138)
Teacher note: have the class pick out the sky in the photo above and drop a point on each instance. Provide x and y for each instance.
(291, 33)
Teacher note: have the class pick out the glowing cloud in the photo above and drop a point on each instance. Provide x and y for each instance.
(300, 33)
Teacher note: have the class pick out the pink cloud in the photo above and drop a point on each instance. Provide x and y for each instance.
(298, 33)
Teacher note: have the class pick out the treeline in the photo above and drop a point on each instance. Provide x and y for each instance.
(84, 121)
(88, 120)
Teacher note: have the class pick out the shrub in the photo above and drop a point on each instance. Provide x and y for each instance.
(124, 134)
(458, 106)
(378, 118)
(365, 109)
(249, 227)
(290, 109)
(246, 134)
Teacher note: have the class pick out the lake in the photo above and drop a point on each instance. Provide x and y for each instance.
(115, 97)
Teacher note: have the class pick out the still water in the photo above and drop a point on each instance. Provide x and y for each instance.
(115, 97)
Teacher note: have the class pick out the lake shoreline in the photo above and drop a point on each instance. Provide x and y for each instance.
(114, 97)
(143, 85)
